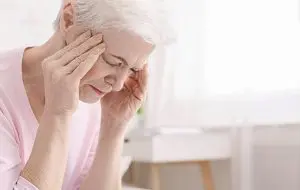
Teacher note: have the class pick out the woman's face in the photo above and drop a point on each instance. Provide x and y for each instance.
(125, 53)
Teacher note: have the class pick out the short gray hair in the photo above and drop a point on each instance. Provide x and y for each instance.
(146, 18)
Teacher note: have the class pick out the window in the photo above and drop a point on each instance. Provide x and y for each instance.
(234, 60)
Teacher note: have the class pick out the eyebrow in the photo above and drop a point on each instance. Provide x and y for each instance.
(120, 58)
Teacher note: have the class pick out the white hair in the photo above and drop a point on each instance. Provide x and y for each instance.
(146, 18)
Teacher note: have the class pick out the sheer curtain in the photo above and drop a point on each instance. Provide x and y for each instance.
(233, 60)
(236, 65)
(26, 22)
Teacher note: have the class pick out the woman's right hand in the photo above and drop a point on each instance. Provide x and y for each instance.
(64, 70)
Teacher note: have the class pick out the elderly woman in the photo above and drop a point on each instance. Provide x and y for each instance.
(92, 72)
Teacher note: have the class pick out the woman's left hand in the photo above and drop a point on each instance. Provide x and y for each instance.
(118, 108)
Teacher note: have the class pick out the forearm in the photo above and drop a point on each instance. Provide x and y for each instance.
(105, 173)
(46, 166)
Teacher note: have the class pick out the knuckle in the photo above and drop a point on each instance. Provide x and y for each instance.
(77, 51)
(75, 62)
(81, 58)
(46, 60)
(85, 36)
(66, 49)
(67, 55)
(60, 53)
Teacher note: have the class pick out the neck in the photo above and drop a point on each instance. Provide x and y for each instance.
(31, 65)
(34, 56)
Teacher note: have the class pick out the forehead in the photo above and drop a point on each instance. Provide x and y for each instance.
(133, 48)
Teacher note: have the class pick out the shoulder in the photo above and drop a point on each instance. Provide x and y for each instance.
(10, 72)
(10, 81)
(9, 57)
(11, 54)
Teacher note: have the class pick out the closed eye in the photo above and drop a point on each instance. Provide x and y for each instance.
(134, 70)
(118, 64)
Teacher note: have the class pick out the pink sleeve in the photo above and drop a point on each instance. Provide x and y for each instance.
(10, 161)
(88, 163)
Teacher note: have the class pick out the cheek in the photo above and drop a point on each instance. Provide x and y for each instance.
(98, 71)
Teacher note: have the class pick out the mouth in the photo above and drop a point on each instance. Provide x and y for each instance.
(99, 92)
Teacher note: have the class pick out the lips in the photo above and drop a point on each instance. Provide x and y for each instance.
(99, 92)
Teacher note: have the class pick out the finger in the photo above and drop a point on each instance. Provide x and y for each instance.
(138, 96)
(129, 85)
(81, 49)
(136, 84)
(132, 87)
(83, 67)
(142, 77)
(82, 38)
(131, 82)
(69, 68)
(133, 78)
(126, 88)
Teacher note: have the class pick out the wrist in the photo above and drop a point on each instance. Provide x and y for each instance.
(60, 114)
(112, 136)
(63, 117)
(55, 124)
(107, 143)
(111, 130)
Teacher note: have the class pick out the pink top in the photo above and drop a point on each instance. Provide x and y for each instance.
(18, 127)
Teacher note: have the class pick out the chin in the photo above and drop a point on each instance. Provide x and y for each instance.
(89, 100)
(87, 95)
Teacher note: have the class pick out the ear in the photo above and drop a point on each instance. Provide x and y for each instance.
(67, 19)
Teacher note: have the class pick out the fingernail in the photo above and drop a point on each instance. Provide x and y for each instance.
(99, 36)
(87, 33)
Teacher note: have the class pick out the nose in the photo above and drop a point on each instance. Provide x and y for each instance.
(118, 80)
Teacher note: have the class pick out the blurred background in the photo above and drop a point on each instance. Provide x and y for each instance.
(223, 107)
